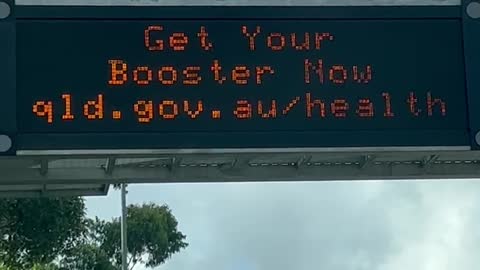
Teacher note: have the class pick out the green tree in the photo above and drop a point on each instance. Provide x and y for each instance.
(86, 257)
(152, 239)
(38, 230)
(152, 234)
(87, 254)
(49, 266)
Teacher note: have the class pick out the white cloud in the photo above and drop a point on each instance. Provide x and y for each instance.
(329, 225)
(440, 232)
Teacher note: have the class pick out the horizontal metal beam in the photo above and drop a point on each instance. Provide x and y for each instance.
(241, 2)
(46, 194)
(148, 152)
(186, 167)
(237, 12)
(252, 174)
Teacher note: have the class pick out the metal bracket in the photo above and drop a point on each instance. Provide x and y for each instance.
(110, 166)
(429, 160)
(174, 163)
(43, 167)
(367, 160)
(303, 160)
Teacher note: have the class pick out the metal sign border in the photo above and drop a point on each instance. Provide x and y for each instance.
(233, 12)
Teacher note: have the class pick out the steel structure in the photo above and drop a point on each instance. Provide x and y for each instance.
(239, 165)
(91, 171)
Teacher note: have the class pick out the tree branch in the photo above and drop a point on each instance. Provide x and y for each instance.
(134, 263)
(130, 261)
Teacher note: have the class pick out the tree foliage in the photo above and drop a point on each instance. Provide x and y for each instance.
(35, 233)
(37, 230)
(152, 234)
(86, 257)
(49, 266)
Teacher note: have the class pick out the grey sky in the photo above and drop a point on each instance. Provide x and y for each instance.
(393, 225)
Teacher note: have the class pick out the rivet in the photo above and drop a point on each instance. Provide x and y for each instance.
(473, 10)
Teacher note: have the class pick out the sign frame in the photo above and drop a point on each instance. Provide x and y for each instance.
(471, 30)
(442, 139)
(8, 122)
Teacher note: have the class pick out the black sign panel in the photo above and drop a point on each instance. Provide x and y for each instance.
(252, 82)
